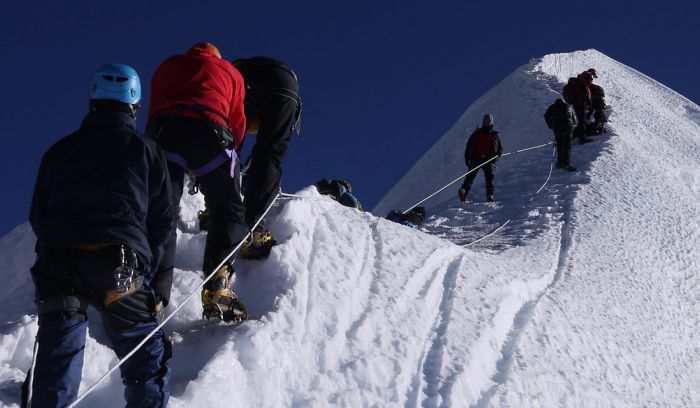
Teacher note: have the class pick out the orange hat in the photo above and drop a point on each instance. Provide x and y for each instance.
(593, 72)
(208, 47)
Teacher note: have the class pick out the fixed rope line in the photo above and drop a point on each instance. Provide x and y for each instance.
(30, 391)
(489, 234)
(165, 320)
(312, 198)
(287, 195)
(549, 176)
(551, 168)
(471, 171)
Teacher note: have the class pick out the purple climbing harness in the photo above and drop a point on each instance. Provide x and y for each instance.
(214, 163)
(217, 161)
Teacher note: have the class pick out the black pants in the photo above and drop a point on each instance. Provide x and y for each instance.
(600, 119)
(276, 106)
(562, 138)
(198, 143)
(488, 169)
(580, 130)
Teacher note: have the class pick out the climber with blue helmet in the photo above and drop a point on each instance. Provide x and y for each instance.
(116, 87)
(102, 213)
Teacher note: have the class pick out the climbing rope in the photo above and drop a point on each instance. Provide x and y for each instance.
(471, 171)
(287, 195)
(30, 391)
(500, 227)
(549, 176)
(165, 320)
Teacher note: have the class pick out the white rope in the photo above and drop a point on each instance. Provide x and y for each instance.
(323, 197)
(471, 171)
(196, 290)
(287, 195)
(30, 391)
(551, 167)
(489, 234)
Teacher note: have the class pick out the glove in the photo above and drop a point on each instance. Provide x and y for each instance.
(159, 310)
(462, 193)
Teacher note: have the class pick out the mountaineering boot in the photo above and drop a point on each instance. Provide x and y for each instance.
(566, 167)
(218, 300)
(462, 193)
(258, 245)
(489, 197)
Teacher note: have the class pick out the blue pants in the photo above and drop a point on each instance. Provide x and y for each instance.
(59, 364)
(62, 332)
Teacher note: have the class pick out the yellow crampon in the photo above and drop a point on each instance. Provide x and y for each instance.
(218, 300)
(259, 245)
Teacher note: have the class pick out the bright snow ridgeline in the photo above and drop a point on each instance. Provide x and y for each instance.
(588, 296)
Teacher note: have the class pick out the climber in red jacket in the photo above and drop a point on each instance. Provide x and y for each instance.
(197, 116)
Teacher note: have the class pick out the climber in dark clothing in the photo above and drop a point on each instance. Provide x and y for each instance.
(102, 214)
(483, 147)
(577, 92)
(272, 110)
(561, 119)
(598, 106)
(413, 218)
(340, 191)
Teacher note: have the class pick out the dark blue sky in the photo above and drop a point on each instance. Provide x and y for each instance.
(381, 81)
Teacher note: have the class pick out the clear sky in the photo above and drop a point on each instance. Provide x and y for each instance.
(381, 81)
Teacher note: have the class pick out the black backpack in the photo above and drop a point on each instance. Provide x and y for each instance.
(569, 91)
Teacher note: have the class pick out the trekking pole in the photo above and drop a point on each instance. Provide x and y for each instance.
(471, 171)
(165, 320)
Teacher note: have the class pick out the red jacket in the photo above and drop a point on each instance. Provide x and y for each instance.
(199, 78)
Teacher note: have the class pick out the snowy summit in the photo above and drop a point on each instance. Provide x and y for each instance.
(571, 289)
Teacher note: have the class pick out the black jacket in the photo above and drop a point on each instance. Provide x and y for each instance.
(482, 144)
(560, 117)
(104, 184)
(597, 97)
(263, 77)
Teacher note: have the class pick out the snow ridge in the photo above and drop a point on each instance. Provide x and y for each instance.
(583, 291)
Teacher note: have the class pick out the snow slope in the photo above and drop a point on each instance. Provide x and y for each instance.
(572, 289)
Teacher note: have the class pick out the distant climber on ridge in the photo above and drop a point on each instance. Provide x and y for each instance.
(598, 107)
(340, 191)
(561, 119)
(577, 93)
(412, 219)
(483, 146)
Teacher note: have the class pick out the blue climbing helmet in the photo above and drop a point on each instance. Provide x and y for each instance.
(118, 82)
